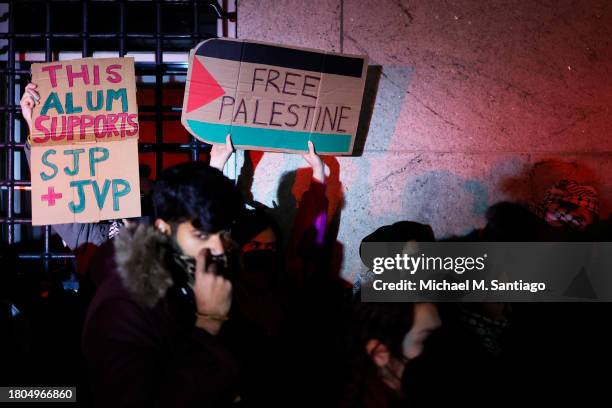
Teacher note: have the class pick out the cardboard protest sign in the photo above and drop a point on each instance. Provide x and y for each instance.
(84, 160)
(272, 97)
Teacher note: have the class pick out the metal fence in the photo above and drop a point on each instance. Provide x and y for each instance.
(40, 31)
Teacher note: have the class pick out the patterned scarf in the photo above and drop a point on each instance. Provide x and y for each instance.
(563, 198)
(186, 263)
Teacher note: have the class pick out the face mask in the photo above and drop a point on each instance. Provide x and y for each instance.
(260, 260)
(188, 264)
(182, 261)
(260, 267)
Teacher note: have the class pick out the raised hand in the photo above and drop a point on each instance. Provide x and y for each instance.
(213, 294)
(29, 100)
(220, 154)
(313, 159)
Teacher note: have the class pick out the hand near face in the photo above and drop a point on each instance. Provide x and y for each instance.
(213, 295)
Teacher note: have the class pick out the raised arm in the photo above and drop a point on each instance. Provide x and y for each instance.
(305, 252)
(313, 159)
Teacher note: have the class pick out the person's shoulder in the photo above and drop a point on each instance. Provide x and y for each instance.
(143, 263)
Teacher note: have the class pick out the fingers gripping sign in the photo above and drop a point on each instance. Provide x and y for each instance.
(220, 153)
(313, 159)
(29, 100)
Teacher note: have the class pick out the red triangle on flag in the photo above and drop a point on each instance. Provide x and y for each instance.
(203, 88)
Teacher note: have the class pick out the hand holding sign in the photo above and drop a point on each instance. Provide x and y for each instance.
(313, 159)
(220, 153)
(84, 133)
(28, 101)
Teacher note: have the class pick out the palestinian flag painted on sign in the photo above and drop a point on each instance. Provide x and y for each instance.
(273, 98)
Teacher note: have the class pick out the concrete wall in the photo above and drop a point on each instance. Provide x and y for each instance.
(478, 101)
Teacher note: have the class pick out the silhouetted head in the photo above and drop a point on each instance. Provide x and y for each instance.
(402, 232)
(387, 336)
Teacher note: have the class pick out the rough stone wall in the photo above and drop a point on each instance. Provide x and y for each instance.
(477, 102)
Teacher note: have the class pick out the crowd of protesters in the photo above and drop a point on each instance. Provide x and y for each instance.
(205, 304)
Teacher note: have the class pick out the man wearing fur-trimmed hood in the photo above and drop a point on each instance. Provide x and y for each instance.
(162, 295)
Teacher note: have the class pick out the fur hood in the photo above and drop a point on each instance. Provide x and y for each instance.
(142, 255)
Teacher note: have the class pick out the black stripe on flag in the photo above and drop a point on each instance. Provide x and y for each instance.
(281, 57)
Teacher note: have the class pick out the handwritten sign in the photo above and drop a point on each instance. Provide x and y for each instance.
(272, 97)
(84, 160)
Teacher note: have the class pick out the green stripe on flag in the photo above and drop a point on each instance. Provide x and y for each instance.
(271, 138)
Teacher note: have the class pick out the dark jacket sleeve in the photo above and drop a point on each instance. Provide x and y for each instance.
(124, 365)
(76, 235)
(134, 362)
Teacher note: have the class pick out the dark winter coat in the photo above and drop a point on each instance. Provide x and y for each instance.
(140, 341)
